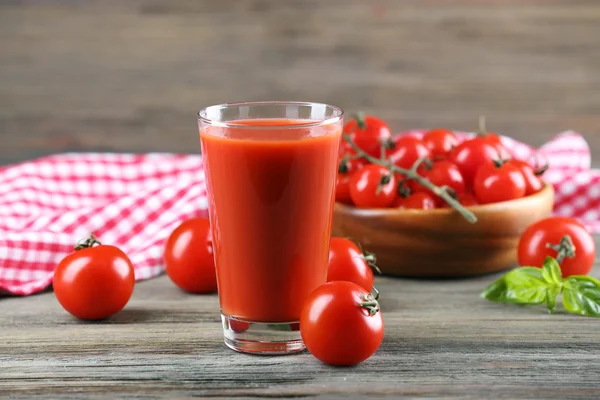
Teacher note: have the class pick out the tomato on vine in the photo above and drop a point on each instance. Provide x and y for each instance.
(472, 154)
(440, 173)
(348, 164)
(565, 239)
(533, 183)
(341, 323)
(406, 151)
(348, 263)
(416, 201)
(373, 186)
(94, 282)
(189, 258)
(498, 182)
(440, 142)
(368, 133)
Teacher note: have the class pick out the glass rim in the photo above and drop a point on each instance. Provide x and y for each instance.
(233, 124)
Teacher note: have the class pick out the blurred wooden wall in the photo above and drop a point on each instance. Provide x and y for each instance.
(130, 75)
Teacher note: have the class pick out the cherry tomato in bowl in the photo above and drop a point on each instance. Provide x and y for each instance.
(373, 186)
(368, 133)
(406, 151)
(533, 183)
(440, 142)
(416, 201)
(472, 154)
(545, 238)
(189, 258)
(441, 173)
(341, 323)
(495, 183)
(94, 282)
(348, 263)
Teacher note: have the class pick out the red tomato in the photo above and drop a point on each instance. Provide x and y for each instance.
(347, 263)
(373, 187)
(341, 323)
(533, 248)
(342, 189)
(418, 200)
(466, 199)
(533, 184)
(441, 173)
(440, 142)
(368, 133)
(470, 155)
(189, 258)
(406, 151)
(94, 282)
(495, 141)
(494, 184)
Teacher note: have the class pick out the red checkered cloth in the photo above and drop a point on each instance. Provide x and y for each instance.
(135, 201)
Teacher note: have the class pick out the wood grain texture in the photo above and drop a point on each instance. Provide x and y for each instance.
(441, 243)
(129, 76)
(441, 341)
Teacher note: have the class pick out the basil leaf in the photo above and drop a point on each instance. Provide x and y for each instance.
(581, 295)
(551, 271)
(497, 291)
(527, 284)
(524, 285)
(551, 295)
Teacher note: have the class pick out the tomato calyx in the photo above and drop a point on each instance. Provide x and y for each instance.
(371, 260)
(370, 303)
(538, 169)
(565, 248)
(385, 179)
(87, 243)
(403, 189)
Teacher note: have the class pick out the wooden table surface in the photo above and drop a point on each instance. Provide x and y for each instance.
(112, 75)
(441, 341)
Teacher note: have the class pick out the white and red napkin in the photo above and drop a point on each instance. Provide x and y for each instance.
(135, 201)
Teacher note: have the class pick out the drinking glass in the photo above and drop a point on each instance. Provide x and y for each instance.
(271, 169)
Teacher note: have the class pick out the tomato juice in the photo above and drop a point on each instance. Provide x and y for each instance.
(271, 186)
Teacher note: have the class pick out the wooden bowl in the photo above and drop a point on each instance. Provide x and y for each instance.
(440, 243)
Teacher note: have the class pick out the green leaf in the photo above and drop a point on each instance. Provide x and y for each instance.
(497, 291)
(581, 295)
(551, 295)
(524, 285)
(527, 285)
(551, 271)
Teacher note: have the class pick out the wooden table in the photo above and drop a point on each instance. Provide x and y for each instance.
(441, 340)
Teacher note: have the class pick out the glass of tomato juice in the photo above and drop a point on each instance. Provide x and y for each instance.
(270, 172)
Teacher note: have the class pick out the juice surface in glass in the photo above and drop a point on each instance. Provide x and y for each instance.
(271, 185)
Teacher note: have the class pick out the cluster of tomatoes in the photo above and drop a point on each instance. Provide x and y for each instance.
(480, 170)
(97, 281)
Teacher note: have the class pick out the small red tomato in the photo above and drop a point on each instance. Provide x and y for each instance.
(466, 199)
(532, 182)
(440, 142)
(94, 282)
(496, 183)
(341, 323)
(418, 200)
(495, 141)
(188, 257)
(441, 173)
(347, 263)
(372, 186)
(406, 151)
(533, 245)
(342, 189)
(368, 133)
(470, 155)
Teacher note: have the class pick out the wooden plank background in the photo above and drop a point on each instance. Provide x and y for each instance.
(130, 75)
